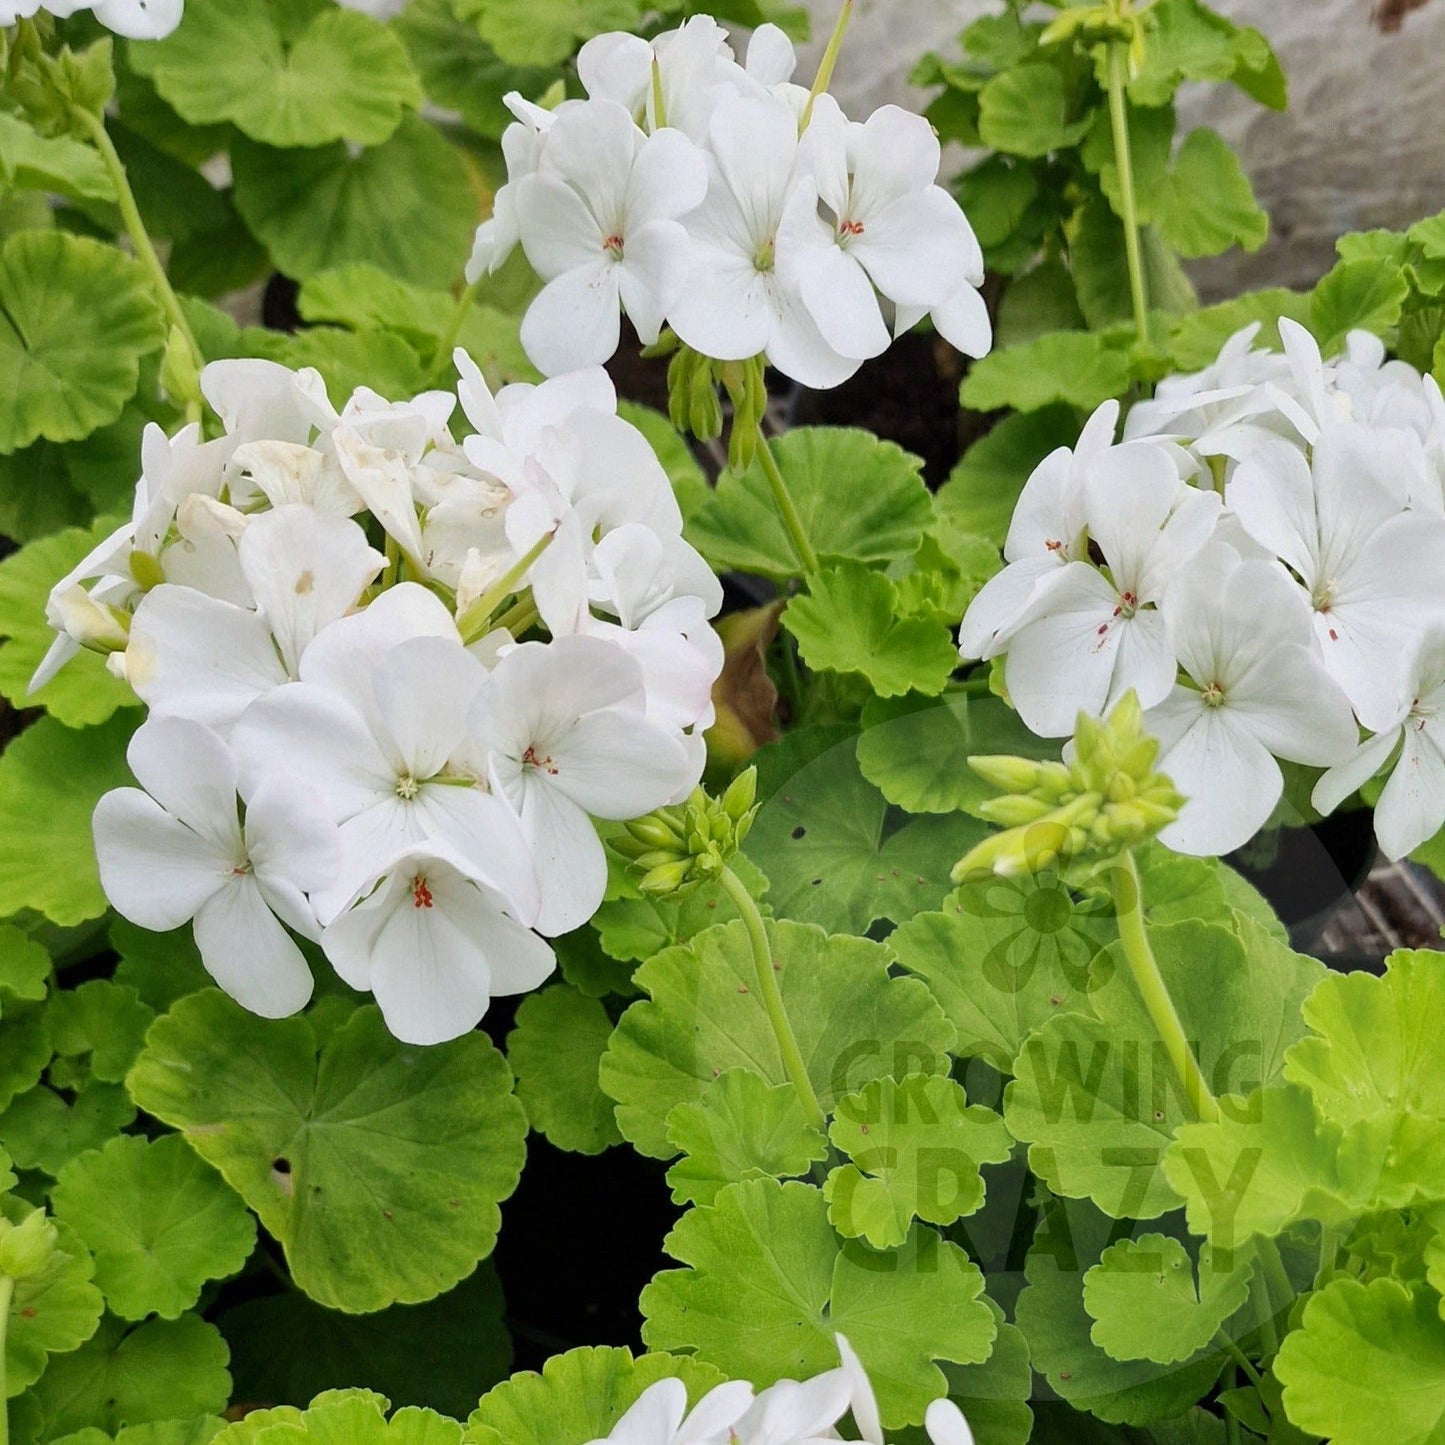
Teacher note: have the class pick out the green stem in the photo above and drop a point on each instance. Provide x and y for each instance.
(460, 312)
(1240, 1358)
(7, 1293)
(520, 618)
(1124, 161)
(824, 78)
(476, 620)
(1129, 912)
(140, 239)
(773, 999)
(1279, 1290)
(1329, 1251)
(787, 509)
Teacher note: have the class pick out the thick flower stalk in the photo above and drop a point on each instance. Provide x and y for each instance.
(283, 599)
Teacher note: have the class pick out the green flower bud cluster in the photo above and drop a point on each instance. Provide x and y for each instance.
(677, 848)
(693, 403)
(1061, 816)
(1113, 21)
(25, 1248)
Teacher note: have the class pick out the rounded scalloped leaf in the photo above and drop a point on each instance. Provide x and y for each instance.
(24, 968)
(1367, 1364)
(379, 1166)
(703, 1015)
(45, 1131)
(322, 208)
(83, 692)
(555, 1050)
(51, 778)
(78, 317)
(767, 1283)
(861, 500)
(833, 852)
(341, 76)
(102, 1023)
(163, 1370)
(52, 1312)
(579, 1396)
(346, 1417)
(24, 1051)
(158, 1220)
(162, 1432)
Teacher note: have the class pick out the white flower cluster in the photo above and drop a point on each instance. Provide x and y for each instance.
(681, 192)
(148, 19)
(788, 1413)
(321, 610)
(1259, 561)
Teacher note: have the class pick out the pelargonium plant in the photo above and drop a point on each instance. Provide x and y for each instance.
(522, 924)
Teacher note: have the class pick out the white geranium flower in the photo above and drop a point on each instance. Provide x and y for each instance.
(522, 145)
(434, 942)
(795, 1413)
(1411, 807)
(196, 656)
(562, 733)
(742, 295)
(1087, 637)
(1366, 567)
(1045, 534)
(178, 852)
(599, 222)
(374, 725)
(1256, 691)
(659, 1416)
(887, 228)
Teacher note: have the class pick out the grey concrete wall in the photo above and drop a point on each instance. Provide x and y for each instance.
(1362, 145)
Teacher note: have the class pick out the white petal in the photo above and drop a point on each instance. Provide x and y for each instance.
(1272, 494)
(724, 311)
(155, 871)
(720, 1409)
(652, 274)
(305, 570)
(916, 249)
(575, 319)
(1230, 779)
(347, 650)
(382, 479)
(797, 348)
(290, 836)
(196, 657)
(559, 232)
(484, 829)
(189, 771)
(614, 766)
(863, 1402)
(654, 1417)
(669, 179)
(423, 689)
(841, 300)
(946, 1424)
(1411, 809)
(570, 860)
(1352, 774)
(963, 321)
(247, 951)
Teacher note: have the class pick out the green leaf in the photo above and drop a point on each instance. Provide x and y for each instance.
(554, 1051)
(44, 1131)
(1187, 41)
(1096, 242)
(1146, 1305)
(322, 208)
(349, 359)
(1356, 295)
(79, 316)
(1151, 139)
(916, 1147)
(36, 495)
(982, 490)
(159, 1222)
(285, 1348)
(739, 1127)
(1008, 209)
(1082, 368)
(545, 32)
(339, 76)
(24, 1052)
(1068, 1243)
(1005, 956)
(460, 70)
(378, 1166)
(689, 481)
(163, 1370)
(1268, 1162)
(703, 1016)
(860, 499)
(578, 1397)
(1199, 335)
(1098, 1099)
(1367, 1364)
(848, 622)
(84, 691)
(995, 1395)
(52, 1312)
(1036, 303)
(160, 967)
(1206, 204)
(24, 968)
(767, 1283)
(1025, 111)
(837, 855)
(164, 1432)
(51, 778)
(915, 749)
(102, 1022)
(355, 1417)
(59, 165)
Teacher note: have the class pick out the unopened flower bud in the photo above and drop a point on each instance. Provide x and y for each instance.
(741, 794)
(666, 877)
(92, 624)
